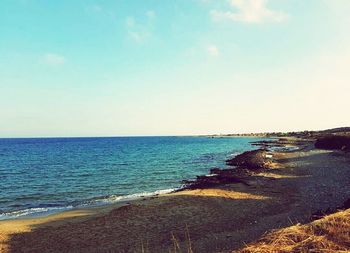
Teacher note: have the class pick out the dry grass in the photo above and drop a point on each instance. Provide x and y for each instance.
(329, 234)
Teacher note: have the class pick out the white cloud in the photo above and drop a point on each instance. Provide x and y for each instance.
(137, 32)
(138, 36)
(151, 14)
(54, 59)
(213, 50)
(96, 8)
(249, 11)
(140, 32)
(130, 22)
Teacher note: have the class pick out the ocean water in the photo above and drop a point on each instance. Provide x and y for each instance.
(45, 175)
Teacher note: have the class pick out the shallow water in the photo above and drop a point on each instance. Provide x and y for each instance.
(45, 175)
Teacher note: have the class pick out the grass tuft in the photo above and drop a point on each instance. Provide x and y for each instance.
(329, 234)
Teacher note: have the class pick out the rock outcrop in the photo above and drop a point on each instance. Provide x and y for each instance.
(251, 160)
(333, 142)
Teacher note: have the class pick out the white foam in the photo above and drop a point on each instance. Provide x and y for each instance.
(41, 211)
(37, 211)
(116, 198)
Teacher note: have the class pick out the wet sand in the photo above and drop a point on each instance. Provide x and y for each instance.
(219, 219)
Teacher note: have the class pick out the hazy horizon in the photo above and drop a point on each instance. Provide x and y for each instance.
(166, 135)
(104, 68)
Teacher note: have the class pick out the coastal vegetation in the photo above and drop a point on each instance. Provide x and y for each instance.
(328, 234)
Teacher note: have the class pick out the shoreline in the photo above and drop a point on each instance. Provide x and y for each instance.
(24, 223)
(104, 202)
(271, 199)
(93, 211)
(124, 200)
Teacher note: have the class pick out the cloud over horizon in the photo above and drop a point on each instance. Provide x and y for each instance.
(54, 59)
(249, 11)
(140, 31)
(213, 50)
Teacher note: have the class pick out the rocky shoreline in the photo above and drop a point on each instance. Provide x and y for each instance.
(241, 168)
(244, 166)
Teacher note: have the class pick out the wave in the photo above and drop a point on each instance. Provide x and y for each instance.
(135, 196)
(35, 211)
(98, 201)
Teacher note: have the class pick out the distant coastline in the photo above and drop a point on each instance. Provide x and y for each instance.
(299, 134)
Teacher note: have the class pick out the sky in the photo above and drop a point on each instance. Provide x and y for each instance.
(172, 67)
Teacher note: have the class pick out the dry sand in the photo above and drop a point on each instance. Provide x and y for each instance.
(209, 220)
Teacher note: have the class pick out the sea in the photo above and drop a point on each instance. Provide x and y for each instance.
(41, 176)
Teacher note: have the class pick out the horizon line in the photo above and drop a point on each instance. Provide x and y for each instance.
(170, 135)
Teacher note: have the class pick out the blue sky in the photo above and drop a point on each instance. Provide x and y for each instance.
(172, 67)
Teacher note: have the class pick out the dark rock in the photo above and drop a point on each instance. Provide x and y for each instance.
(217, 177)
(215, 171)
(246, 164)
(333, 142)
(251, 160)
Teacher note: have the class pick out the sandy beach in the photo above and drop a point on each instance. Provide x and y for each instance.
(218, 219)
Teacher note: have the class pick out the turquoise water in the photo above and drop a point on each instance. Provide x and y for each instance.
(45, 175)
